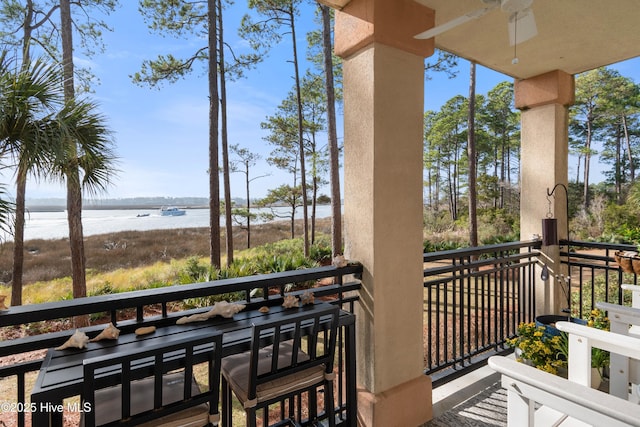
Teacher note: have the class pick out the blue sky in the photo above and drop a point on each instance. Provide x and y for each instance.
(161, 135)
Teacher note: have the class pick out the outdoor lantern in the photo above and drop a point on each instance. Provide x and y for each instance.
(550, 224)
(549, 231)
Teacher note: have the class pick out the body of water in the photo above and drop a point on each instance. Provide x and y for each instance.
(53, 225)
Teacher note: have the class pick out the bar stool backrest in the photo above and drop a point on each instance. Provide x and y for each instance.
(155, 385)
(296, 343)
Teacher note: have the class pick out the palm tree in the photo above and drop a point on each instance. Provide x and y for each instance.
(6, 209)
(86, 163)
(29, 96)
(35, 124)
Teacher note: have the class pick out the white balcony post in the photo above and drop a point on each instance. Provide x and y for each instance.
(544, 102)
(384, 106)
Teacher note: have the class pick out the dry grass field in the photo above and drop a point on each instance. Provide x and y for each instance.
(129, 253)
(49, 259)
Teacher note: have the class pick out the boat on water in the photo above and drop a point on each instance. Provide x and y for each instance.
(171, 211)
(142, 215)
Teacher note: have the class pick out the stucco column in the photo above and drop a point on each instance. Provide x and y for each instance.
(383, 119)
(544, 101)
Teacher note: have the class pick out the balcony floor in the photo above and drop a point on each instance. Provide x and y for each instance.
(473, 400)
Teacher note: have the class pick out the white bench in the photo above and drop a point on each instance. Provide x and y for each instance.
(635, 294)
(537, 398)
(624, 320)
(583, 338)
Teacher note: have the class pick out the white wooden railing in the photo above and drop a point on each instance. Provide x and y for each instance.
(626, 321)
(536, 398)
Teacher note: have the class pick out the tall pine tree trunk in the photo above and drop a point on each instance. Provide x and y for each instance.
(21, 182)
(247, 181)
(303, 178)
(74, 189)
(334, 164)
(587, 161)
(471, 153)
(225, 143)
(627, 139)
(214, 176)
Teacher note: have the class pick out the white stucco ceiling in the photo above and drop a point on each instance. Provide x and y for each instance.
(573, 35)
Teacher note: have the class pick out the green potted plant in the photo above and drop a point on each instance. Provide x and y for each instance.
(548, 352)
(600, 359)
(536, 348)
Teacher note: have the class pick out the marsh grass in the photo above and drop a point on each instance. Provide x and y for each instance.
(119, 262)
(120, 280)
(128, 260)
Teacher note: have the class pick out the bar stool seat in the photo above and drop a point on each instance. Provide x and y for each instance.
(290, 355)
(236, 369)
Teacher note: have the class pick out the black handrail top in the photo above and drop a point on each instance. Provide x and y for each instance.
(75, 307)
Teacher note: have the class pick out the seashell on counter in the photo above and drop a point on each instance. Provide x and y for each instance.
(145, 330)
(339, 261)
(78, 340)
(226, 309)
(221, 308)
(108, 333)
(291, 301)
(198, 317)
(263, 309)
(307, 298)
(3, 306)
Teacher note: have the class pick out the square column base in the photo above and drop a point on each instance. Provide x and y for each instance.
(406, 405)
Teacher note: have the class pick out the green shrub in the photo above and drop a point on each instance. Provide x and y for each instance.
(106, 289)
(497, 239)
(320, 251)
(428, 246)
(599, 292)
(437, 221)
(623, 223)
(212, 299)
(194, 272)
(286, 255)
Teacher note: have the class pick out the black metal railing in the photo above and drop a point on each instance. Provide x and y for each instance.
(595, 276)
(474, 300)
(476, 297)
(253, 291)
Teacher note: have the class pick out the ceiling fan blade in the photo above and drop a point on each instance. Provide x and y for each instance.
(455, 22)
(522, 27)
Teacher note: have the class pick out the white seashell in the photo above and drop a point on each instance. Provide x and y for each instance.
(291, 301)
(108, 333)
(221, 308)
(3, 306)
(307, 298)
(78, 340)
(225, 309)
(199, 317)
(339, 261)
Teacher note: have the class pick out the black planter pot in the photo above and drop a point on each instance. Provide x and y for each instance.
(548, 321)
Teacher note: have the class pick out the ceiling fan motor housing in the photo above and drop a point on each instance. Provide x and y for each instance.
(513, 6)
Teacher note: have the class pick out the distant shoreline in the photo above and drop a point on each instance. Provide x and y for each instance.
(48, 259)
(57, 208)
(54, 204)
